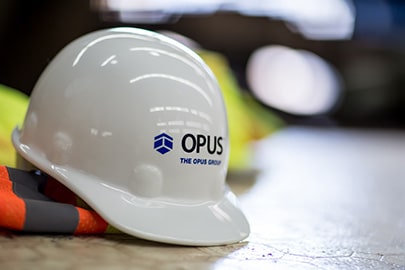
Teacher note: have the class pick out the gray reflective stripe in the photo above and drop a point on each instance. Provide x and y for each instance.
(32, 180)
(50, 217)
(28, 185)
(24, 192)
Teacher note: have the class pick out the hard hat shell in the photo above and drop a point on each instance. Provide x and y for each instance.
(134, 123)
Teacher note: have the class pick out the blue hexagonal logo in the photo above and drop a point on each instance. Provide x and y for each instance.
(163, 143)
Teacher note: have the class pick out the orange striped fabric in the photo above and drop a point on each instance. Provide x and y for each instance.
(12, 208)
(90, 222)
(21, 209)
(4, 172)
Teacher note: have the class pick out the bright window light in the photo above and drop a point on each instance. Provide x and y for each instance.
(294, 81)
(314, 19)
(168, 6)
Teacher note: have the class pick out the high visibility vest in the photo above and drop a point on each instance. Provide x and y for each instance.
(34, 202)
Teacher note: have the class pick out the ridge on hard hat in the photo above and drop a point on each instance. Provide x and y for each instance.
(134, 123)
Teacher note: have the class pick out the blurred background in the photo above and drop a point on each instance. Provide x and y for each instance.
(325, 62)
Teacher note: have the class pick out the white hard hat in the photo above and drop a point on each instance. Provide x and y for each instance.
(134, 123)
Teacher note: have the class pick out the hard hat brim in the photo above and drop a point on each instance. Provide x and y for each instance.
(204, 223)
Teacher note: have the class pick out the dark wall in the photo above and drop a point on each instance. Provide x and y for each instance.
(32, 32)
